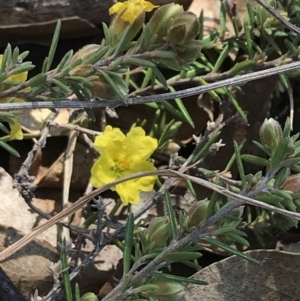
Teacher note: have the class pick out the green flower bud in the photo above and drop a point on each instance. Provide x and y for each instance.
(85, 52)
(169, 290)
(160, 18)
(189, 52)
(103, 90)
(159, 231)
(269, 130)
(89, 297)
(196, 213)
(183, 28)
(270, 133)
(292, 183)
(82, 70)
(118, 26)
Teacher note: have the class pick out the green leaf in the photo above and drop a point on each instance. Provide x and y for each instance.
(255, 160)
(15, 56)
(90, 114)
(66, 276)
(222, 27)
(37, 80)
(171, 214)
(97, 55)
(140, 62)
(65, 61)
(281, 152)
(77, 292)
(23, 55)
(224, 230)
(4, 128)
(183, 109)
(248, 39)
(237, 238)
(206, 147)
(128, 244)
(166, 132)
(211, 208)
(53, 45)
(6, 57)
(122, 43)
(9, 148)
(60, 84)
(178, 278)
(147, 288)
(238, 67)
(236, 104)
(222, 57)
(229, 249)
(113, 85)
(27, 66)
(239, 163)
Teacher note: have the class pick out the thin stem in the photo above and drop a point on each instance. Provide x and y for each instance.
(237, 80)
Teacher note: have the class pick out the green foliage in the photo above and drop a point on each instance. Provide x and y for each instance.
(121, 68)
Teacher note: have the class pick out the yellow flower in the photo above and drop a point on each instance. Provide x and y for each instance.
(122, 156)
(131, 9)
(15, 127)
(15, 130)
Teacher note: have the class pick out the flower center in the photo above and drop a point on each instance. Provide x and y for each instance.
(122, 165)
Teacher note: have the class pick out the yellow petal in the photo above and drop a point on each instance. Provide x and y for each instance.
(139, 147)
(131, 9)
(111, 143)
(143, 183)
(128, 192)
(117, 8)
(101, 172)
(15, 130)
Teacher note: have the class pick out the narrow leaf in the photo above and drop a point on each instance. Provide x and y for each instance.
(229, 249)
(53, 45)
(128, 244)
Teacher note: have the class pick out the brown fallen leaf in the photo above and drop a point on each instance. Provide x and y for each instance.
(235, 279)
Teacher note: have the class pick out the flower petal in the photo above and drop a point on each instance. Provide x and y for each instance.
(111, 143)
(15, 130)
(128, 192)
(139, 147)
(117, 7)
(144, 183)
(102, 173)
(131, 9)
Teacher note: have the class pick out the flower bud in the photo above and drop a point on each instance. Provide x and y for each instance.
(171, 148)
(159, 231)
(89, 297)
(81, 70)
(189, 52)
(292, 183)
(196, 213)
(269, 129)
(118, 26)
(184, 28)
(169, 290)
(85, 52)
(103, 90)
(161, 17)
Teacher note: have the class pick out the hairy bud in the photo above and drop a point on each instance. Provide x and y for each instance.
(196, 213)
(184, 28)
(159, 231)
(168, 290)
(270, 133)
